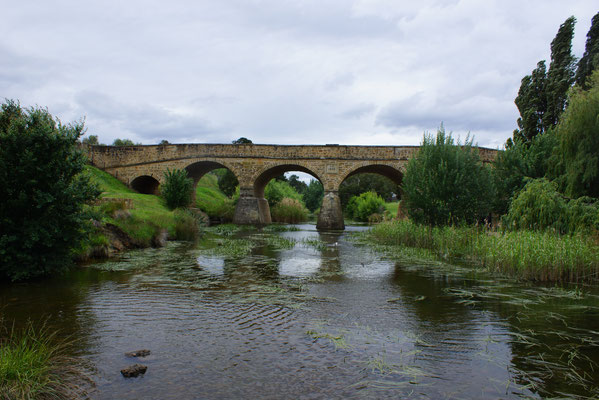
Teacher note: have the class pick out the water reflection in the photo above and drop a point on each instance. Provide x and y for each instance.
(303, 314)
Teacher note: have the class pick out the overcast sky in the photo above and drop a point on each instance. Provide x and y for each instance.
(277, 71)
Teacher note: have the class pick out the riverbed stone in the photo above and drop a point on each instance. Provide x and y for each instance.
(134, 370)
(138, 353)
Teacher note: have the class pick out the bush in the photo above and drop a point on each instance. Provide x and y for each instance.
(187, 226)
(446, 183)
(277, 190)
(539, 206)
(43, 191)
(290, 211)
(177, 188)
(362, 207)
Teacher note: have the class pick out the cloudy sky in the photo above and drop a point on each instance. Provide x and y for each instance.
(278, 71)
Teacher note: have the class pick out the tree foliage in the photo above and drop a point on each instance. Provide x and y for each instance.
(361, 207)
(227, 181)
(91, 140)
(576, 160)
(177, 188)
(446, 183)
(543, 94)
(520, 162)
(123, 142)
(590, 59)
(560, 76)
(314, 194)
(43, 192)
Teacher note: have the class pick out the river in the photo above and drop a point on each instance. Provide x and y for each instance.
(298, 314)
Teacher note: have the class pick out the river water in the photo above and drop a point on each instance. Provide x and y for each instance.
(306, 315)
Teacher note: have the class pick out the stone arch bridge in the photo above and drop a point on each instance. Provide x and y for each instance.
(142, 168)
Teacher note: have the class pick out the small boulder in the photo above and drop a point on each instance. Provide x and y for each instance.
(134, 370)
(138, 353)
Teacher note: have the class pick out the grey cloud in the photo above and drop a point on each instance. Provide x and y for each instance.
(146, 121)
(358, 111)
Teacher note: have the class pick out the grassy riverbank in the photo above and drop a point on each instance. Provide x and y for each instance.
(523, 254)
(34, 365)
(137, 220)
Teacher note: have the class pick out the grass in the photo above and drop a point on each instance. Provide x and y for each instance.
(541, 256)
(211, 200)
(34, 364)
(392, 208)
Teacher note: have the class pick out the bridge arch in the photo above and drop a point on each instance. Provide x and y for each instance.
(394, 174)
(268, 173)
(198, 169)
(145, 184)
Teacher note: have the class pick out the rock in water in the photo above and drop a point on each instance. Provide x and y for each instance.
(134, 370)
(138, 353)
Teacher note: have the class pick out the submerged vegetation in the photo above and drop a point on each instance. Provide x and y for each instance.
(34, 364)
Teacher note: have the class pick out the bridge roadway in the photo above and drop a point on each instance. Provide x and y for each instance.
(142, 168)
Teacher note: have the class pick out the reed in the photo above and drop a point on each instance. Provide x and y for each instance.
(34, 364)
(542, 256)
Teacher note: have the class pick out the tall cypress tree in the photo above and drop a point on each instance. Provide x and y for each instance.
(532, 104)
(590, 59)
(561, 73)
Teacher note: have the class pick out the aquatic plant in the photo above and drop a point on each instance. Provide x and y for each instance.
(34, 364)
(543, 256)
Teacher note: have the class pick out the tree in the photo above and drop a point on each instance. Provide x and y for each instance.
(242, 140)
(590, 59)
(446, 183)
(576, 157)
(91, 140)
(163, 142)
(276, 190)
(560, 76)
(123, 142)
(298, 185)
(314, 194)
(43, 191)
(532, 104)
(542, 96)
(518, 163)
(177, 188)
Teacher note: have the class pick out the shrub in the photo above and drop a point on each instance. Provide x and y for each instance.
(43, 191)
(290, 211)
(539, 206)
(187, 225)
(362, 207)
(276, 191)
(446, 183)
(177, 188)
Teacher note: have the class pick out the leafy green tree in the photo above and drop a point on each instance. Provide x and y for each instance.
(560, 76)
(298, 185)
(590, 59)
(520, 162)
(576, 157)
(314, 194)
(91, 140)
(532, 104)
(242, 140)
(543, 94)
(123, 142)
(446, 183)
(43, 191)
(363, 206)
(227, 181)
(177, 188)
